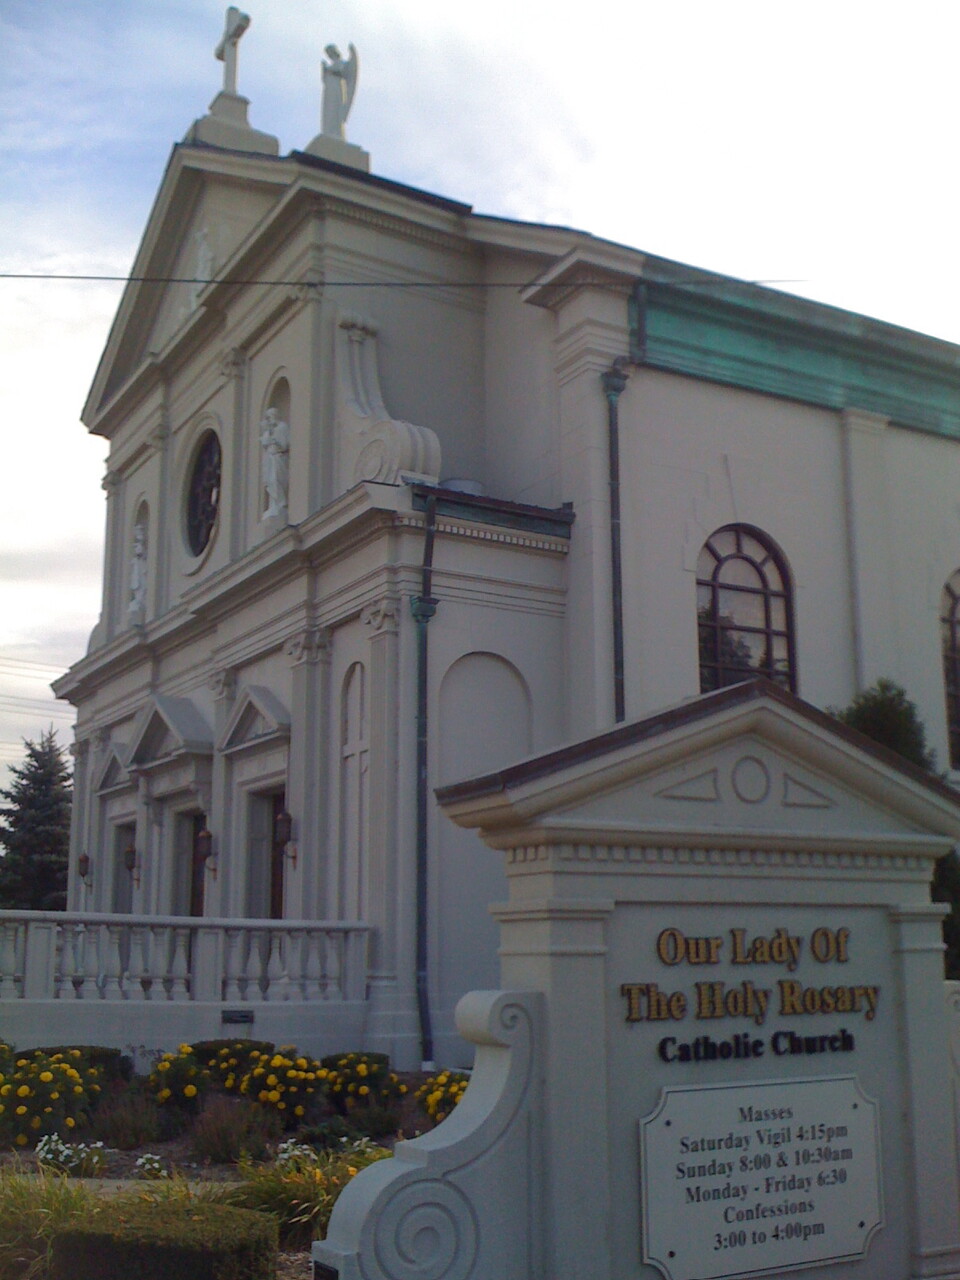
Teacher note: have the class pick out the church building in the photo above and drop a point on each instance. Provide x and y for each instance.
(399, 494)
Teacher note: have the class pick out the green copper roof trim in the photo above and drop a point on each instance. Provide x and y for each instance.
(742, 335)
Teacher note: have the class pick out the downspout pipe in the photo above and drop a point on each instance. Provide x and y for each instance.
(614, 381)
(423, 607)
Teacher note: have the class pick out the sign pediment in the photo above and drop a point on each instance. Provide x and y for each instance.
(747, 764)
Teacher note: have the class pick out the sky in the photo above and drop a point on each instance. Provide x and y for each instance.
(808, 146)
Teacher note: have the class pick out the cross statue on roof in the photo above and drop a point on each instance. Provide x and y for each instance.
(226, 50)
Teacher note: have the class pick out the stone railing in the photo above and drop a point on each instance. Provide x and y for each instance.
(74, 956)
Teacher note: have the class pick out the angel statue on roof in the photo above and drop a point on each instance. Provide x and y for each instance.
(339, 86)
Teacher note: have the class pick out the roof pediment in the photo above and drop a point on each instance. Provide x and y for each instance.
(258, 717)
(165, 728)
(113, 771)
(747, 766)
(209, 203)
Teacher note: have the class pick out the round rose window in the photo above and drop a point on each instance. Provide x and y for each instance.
(203, 495)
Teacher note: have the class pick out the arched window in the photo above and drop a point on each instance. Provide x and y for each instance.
(744, 610)
(950, 643)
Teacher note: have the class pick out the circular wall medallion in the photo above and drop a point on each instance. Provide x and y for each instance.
(751, 780)
(203, 493)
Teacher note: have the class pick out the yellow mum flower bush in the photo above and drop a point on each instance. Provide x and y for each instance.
(180, 1080)
(440, 1093)
(43, 1094)
(358, 1080)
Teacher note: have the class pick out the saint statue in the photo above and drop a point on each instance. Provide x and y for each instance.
(138, 573)
(275, 443)
(339, 86)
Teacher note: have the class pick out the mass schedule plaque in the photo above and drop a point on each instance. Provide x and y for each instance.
(741, 1180)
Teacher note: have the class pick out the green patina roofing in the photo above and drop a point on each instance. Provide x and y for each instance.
(726, 331)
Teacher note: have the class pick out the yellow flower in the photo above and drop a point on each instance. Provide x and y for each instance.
(184, 1048)
(46, 1076)
(70, 1122)
(273, 1096)
(78, 1088)
(21, 1111)
(362, 1069)
(163, 1095)
(55, 1094)
(21, 1139)
(35, 1122)
(298, 1111)
(163, 1066)
(190, 1091)
(23, 1091)
(364, 1089)
(272, 1081)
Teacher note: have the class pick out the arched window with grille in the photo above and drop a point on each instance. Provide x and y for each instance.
(950, 644)
(744, 610)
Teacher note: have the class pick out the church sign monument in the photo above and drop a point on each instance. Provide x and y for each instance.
(721, 1049)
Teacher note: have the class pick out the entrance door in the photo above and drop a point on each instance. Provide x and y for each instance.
(121, 894)
(190, 866)
(265, 857)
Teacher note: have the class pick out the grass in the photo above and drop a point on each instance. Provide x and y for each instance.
(33, 1207)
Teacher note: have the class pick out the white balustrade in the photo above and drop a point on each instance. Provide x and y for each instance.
(52, 955)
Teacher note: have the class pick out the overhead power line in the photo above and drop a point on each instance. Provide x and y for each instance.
(693, 279)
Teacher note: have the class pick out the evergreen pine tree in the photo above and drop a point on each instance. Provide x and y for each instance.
(35, 829)
(885, 713)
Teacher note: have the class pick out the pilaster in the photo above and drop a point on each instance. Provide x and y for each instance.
(233, 369)
(869, 548)
(223, 895)
(308, 771)
(114, 577)
(931, 1121)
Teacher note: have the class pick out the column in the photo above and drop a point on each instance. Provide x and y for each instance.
(225, 893)
(233, 369)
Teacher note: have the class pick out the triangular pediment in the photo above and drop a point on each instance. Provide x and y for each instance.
(168, 727)
(750, 765)
(209, 203)
(113, 772)
(258, 717)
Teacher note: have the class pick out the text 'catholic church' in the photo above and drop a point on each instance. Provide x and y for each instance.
(513, 486)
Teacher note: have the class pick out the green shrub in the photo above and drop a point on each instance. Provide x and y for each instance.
(440, 1094)
(155, 1240)
(41, 1095)
(128, 1118)
(230, 1128)
(354, 1080)
(32, 1210)
(301, 1190)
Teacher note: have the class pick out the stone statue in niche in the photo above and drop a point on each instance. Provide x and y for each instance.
(138, 574)
(339, 86)
(203, 271)
(275, 443)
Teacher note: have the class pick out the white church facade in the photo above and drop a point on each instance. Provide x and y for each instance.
(399, 494)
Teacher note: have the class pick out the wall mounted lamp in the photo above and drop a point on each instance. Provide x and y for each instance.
(83, 868)
(283, 834)
(203, 850)
(132, 863)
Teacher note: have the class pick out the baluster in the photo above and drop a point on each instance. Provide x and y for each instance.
(278, 984)
(9, 984)
(65, 987)
(84, 984)
(257, 964)
(297, 964)
(180, 964)
(232, 966)
(313, 968)
(110, 965)
(136, 985)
